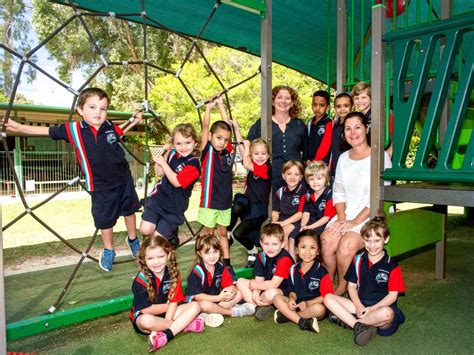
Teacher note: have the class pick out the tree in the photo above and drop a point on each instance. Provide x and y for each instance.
(14, 28)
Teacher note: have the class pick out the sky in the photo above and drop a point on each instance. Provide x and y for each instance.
(44, 91)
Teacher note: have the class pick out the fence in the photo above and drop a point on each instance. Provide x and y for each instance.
(46, 172)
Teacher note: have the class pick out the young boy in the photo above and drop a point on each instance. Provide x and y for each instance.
(375, 281)
(216, 179)
(343, 105)
(271, 272)
(102, 160)
(318, 144)
(318, 208)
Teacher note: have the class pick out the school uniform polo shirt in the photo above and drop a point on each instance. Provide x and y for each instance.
(169, 200)
(375, 281)
(319, 207)
(202, 281)
(216, 190)
(277, 266)
(307, 286)
(98, 152)
(162, 290)
(318, 144)
(257, 188)
(336, 145)
(288, 202)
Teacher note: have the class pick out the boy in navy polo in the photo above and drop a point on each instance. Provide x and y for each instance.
(271, 271)
(102, 161)
(216, 181)
(308, 284)
(318, 144)
(375, 281)
(180, 169)
(318, 208)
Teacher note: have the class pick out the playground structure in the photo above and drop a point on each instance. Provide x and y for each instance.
(411, 75)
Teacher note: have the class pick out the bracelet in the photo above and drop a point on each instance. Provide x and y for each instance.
(131, 119)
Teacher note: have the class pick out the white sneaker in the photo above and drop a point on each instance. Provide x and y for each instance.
(212, 320)
(242, 310)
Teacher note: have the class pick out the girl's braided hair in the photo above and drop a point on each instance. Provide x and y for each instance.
(158, 242)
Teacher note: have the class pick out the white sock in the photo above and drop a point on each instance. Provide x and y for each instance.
(253, 251)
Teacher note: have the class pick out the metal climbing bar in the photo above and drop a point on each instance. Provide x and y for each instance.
(406, 106)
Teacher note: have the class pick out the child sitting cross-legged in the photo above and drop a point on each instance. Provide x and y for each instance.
(375, 282)
(271, 271)
(308, 284)
(210, 284)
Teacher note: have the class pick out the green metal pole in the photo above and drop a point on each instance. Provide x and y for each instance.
(351, 44)
(362, 31)
(328, 54)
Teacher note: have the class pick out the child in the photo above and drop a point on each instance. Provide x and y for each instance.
(157, 291)
(271, 272)
(308, 284)
(318, 208)
(343, 105)
(210, 284)
(318, 144)
(166, 204)
(252, 206)
(103, 163)
(375, 281)
(216, 193)
(287, 208)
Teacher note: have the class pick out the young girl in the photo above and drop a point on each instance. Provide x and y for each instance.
(271, 272)
(157, 291)
(318, 208)
(375, 282)
(216, 193)
(343, 105)
(210, 284)
(252, 206)
(166, 204)
(287, 208)
(309, 283)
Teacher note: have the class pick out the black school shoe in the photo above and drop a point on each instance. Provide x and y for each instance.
(363, 333)
(310, 324)
(279, 318)
(263, 312)
(332, 318)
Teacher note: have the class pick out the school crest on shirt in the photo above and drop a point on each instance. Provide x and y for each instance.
(274, 269)
(229, 159)
(321, 131)
(179, 167)
(295, 201)
(218, 281)
(111, 137)
(382, 277)
(166, 286)
(313, 284)
(322, 205)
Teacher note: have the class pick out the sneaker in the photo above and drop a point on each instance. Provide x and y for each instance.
(196, 326)
(262, 313)
(310, 324)
(212, 320)
(230, 237)
(279, 318)
(134, 245)
(156, 341)
(251, 260)
(363, 333)
(243, 310)
(232, 274)
(107, 259)
(332, 318)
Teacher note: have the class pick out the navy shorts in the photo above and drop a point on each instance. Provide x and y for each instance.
(295, 231)
(399, 318)
(108, 205)
(164, 227)
(138, 330)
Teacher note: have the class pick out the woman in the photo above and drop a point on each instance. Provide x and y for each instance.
(288, 131)
(351, 196)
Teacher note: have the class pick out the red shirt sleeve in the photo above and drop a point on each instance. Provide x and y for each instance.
(329, 210)
(119, 130)
(187, 176)
(230, 147)
(178, 291)
(226, 280)
(302, 203)
(260, 170)
(325, 145)
(325, 285)
(283, 267)
(395, 281)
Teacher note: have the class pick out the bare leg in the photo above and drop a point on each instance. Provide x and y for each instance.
(147, 229)
(211, 307)
(243, 285)
(342, 307)
(329, 242)
(316, 310)
(131, 225)
(348, 246)
(107, 238)
(269, 295)
(184, 315)
(222, 233)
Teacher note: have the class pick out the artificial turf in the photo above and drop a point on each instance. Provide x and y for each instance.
(439, 313)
